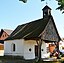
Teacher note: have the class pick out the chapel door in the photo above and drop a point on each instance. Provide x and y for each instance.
(36, 50)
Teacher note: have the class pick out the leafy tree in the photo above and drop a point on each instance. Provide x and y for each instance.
(60, 3)
(24, 1)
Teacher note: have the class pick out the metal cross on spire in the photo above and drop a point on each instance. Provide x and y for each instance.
(46, 2)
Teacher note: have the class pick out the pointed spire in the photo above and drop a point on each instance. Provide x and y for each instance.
(46, 7)
(46, 11)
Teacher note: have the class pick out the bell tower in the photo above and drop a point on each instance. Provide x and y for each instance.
(46, 11)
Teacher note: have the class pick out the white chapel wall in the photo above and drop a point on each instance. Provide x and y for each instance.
(18, 47)
(44, 50)
(29, 44)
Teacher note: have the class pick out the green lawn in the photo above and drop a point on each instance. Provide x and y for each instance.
(14, 59)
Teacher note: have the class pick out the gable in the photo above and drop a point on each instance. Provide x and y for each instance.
(50, 32)
(4, 36)
(8, 31)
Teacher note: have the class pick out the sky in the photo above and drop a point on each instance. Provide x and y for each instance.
(14, 13)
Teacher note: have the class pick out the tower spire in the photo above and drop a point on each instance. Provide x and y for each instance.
(46, 11)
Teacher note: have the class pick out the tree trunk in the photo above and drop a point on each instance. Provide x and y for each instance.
(39, 49)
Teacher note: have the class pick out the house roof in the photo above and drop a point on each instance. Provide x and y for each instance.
(6, 30)
(30, 30)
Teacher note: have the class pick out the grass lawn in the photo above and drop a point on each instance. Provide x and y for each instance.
(14, 59)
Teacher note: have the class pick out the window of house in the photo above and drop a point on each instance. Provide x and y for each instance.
(13, 47)
(3, 35)
(30, 49)
(47, 49)
(62, 47)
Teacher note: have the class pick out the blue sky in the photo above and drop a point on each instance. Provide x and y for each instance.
(14, 13)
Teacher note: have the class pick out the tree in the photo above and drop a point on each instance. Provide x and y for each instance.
(24, 1)
(60, 3)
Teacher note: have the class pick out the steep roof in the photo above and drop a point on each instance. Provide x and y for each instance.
(32, 29)
(6, 30)
(46, 7)
(29, 30)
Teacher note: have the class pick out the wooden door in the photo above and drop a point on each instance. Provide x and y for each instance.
(36, 50)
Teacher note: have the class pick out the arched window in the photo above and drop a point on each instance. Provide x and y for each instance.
(13, 47)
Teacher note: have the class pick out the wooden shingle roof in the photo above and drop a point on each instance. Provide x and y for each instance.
(30, 30)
